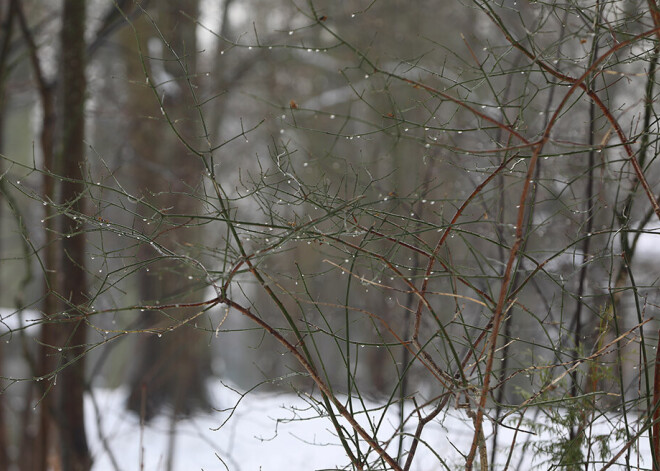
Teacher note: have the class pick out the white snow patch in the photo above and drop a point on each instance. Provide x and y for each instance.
(12, 320)
(648, 244)
(269, 432)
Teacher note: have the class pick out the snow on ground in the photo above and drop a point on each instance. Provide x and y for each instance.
(251, 440)
(271, 432)
(13, 320)
(648, 244)
(276, 431)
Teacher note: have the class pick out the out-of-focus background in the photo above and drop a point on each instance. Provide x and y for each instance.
(418, 226)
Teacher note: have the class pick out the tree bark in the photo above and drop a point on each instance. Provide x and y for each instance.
(7, 14)
(172, 369)
(42, 448)
(71, 275)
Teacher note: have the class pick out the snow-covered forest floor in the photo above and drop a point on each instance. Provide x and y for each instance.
(269, 431)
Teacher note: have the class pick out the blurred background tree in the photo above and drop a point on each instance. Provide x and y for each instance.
(348, 178)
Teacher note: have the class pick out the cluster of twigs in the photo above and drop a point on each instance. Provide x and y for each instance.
(423, 220)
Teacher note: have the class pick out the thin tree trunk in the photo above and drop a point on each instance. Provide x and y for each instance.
(7, 18)
(37, 451)
(72, 282)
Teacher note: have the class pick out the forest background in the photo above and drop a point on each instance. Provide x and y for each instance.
(368, 202)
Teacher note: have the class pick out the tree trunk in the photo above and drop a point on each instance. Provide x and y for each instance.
(169, 369)
(71, 275)
(40, 448)
(7, 14)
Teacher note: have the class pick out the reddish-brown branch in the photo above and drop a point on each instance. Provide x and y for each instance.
(402, 342)
(538, 146)
(394, 240)
(579, 83)
(460, 103)
(317, 380)
(655, 14)
(655, 431)
(442, 240)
